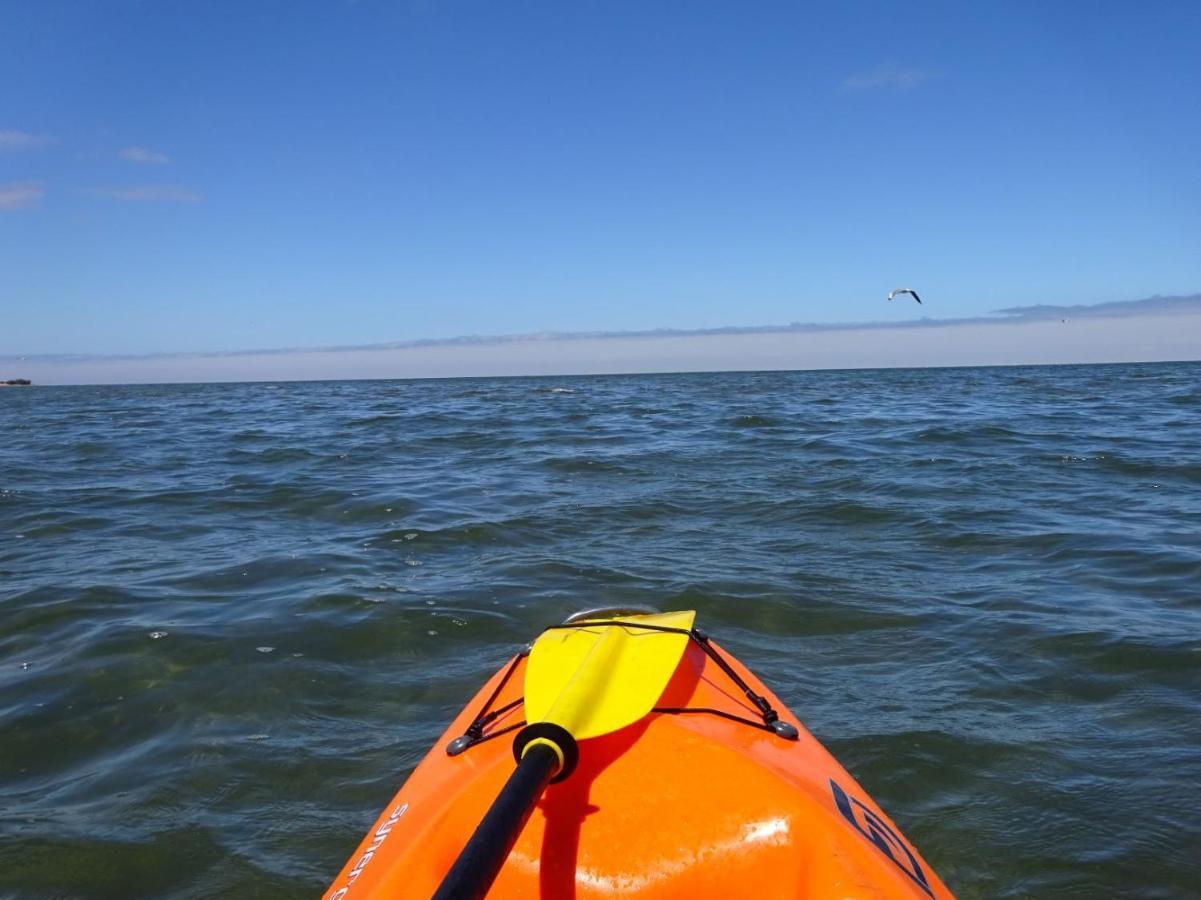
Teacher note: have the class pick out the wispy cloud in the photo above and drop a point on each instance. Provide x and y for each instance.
(22, 140)
(888, 76)
(144, 157)
(171, 193)
(20, 194)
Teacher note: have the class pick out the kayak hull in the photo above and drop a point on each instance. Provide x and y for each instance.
(680, 804)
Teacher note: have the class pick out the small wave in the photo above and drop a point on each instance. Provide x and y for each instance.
(754, 421)
(272, 455)
(952, 434)
(586, 465)
(1146, 468)
(371, 421)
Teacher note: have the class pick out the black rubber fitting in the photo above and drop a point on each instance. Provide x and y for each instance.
(557, 735)
(784, 729)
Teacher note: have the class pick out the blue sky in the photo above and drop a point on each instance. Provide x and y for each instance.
(221, 176)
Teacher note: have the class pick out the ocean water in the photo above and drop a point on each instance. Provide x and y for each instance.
(233, 617)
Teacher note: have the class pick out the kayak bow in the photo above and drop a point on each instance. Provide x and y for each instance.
(674, 773)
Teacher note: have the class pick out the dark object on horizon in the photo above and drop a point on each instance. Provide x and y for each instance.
(905, 291)
(17, 382)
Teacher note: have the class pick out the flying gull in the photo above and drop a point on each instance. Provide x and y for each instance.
(905, 291)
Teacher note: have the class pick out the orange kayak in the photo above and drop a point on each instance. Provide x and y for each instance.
(717, 792)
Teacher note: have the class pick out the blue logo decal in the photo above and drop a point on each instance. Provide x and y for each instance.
(876, 830)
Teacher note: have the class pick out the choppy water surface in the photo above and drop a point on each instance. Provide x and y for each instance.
(233, 617)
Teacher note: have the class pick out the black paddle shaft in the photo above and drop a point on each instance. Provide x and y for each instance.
(479, 862)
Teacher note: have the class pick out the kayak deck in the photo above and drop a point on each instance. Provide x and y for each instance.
(680, 804)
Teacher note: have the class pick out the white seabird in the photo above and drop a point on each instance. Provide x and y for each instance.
(905, 291)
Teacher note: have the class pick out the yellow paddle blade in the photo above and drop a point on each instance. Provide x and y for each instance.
(597, 677)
